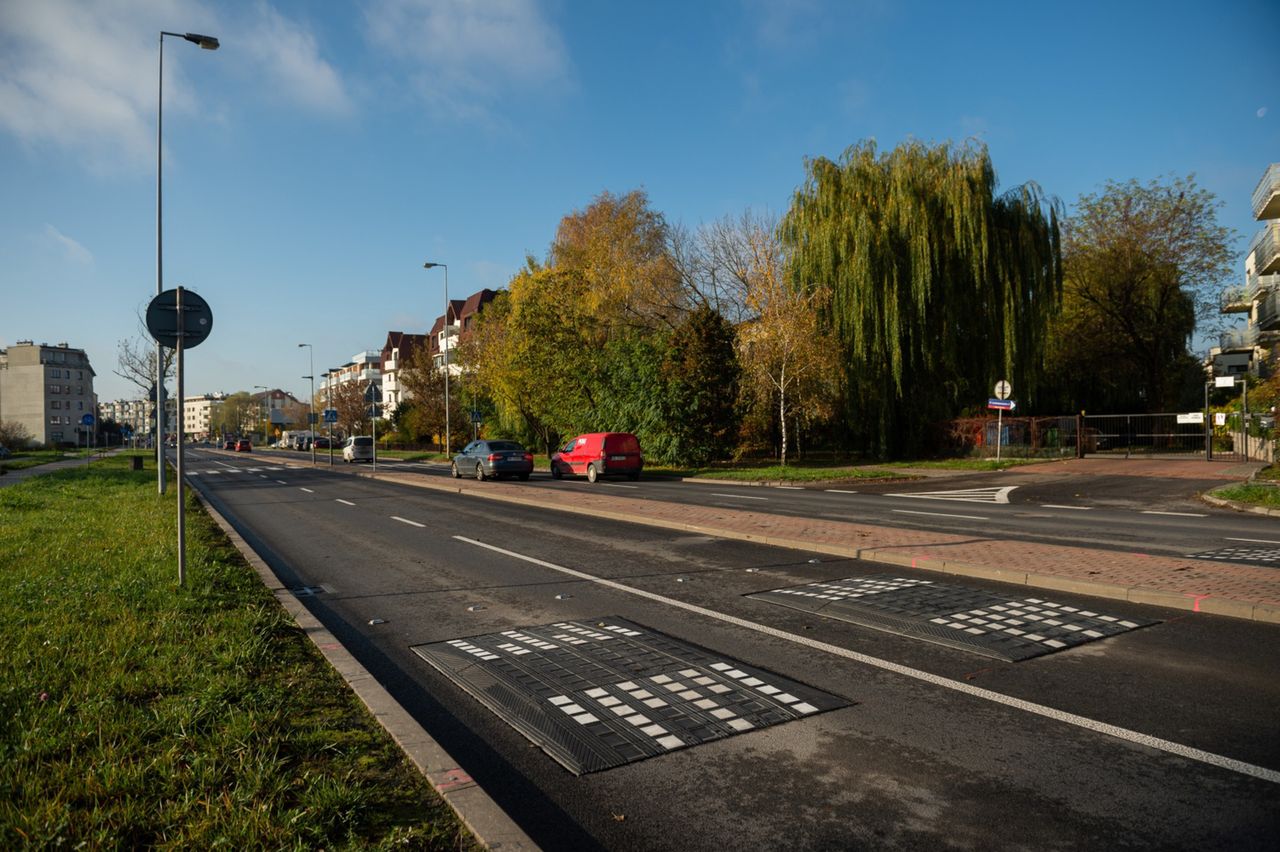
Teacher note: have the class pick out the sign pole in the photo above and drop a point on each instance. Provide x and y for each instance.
(999, 421)
(182, 519)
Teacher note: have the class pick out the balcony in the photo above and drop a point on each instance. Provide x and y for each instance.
(1269, 312)
(1234, 300)
(1266, 250)
(1238, 339)
(1266, 198)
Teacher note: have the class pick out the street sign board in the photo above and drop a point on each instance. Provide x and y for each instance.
(87, 420)
(331, 415)
(1224, 381)
(374, 410)
(1003, 389)
(372, 393)
(1002, 404)
(476, 416)
(1193, 417)
(162, 319)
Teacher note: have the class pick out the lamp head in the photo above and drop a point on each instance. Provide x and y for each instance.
(206, 42)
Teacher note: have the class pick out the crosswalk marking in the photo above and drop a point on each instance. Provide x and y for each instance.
(998, 494)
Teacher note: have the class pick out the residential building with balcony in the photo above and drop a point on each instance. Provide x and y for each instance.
(47, 389)
(364, 367)
(397, 352)
(456, 326)
(1254, 347)
(198, 413)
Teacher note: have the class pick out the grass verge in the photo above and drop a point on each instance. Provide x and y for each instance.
(1252, 495)
(136, 714)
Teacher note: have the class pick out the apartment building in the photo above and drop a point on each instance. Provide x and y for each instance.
(48, 389)
(364, 367)
(1253, 348)
(198, 413)
(399, 349)
(456, 326)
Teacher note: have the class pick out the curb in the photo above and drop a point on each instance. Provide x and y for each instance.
(1246, 609)
(1213, 500)
(478, 811)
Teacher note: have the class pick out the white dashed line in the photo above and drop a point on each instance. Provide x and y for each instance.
(407, 521)
(791, 487)
(1175, 514)
(1168, 746)
(943, 515)
(308, 490)
(345, 502)
(619, 485)
(282, 482)
(839, 491)
(1056, 506)
(737, 496)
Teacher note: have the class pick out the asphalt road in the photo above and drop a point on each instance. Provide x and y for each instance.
(911, 760)
(1151, 514)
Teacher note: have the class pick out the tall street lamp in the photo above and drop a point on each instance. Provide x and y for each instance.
(208, 43)
(266, 416)
(444, 349)
(311, 415)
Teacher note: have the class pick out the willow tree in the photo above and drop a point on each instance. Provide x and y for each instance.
(939, 286)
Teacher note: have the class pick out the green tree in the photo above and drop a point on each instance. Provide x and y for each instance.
(1143, 263)
(938, 285)
(237, 415)
(700, 377)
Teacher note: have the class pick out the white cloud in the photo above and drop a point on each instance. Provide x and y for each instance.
(1262, 112)
(467, 53)
(69, 247)
(81, 74)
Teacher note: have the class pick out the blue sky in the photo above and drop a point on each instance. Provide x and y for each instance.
(327, 149)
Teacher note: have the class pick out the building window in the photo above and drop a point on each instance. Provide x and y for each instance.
(55, 405)
(55, 420)
(57, 436)
(55, 374)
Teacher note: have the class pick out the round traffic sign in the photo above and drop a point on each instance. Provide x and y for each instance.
(164, 324)
(87, 420)
(1003, 389)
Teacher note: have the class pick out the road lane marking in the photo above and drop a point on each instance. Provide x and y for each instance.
(406, 521)
(1175, 514)
(995, 494)
(282, 482)
(791, 487)
(619, 485)
(263, 476)
(1253, 540)
(308, 490)
(1126, 734)
(737, 496)
(1057, 506)
(839, 491)
(942, 515)
(345, 502)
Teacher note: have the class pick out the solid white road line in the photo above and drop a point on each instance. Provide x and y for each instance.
(345, 502)
(839, 491)
(737, 496)
(1253, 540)
(1175, 514)
(942, 515)
(1056, 506)
(791, 487)
(1136, 737)
(619, 485)
(308, 490)
(407, 521)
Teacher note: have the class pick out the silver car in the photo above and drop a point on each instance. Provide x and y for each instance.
(358, 448)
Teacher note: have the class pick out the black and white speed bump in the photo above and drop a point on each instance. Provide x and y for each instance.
(986, 623)
(602, 693)
(1254, 555)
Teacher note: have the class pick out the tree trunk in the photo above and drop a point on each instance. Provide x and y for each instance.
(782, 412)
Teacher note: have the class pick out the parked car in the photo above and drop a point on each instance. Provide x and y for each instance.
(484, 459)
(4, 453)
(228, 445)
(243, 446)
(321, 443)
(599, 454)
(358, 448)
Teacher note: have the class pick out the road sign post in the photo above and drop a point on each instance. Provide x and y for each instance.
(1001, 403)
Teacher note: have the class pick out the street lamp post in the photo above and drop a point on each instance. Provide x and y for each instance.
(311, 401)
(444, 349)
(208, 43)
(266, 415)
(328, 403)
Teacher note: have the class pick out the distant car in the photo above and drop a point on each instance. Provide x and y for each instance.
(484, 459)
(358, 448)
(598, 454)
(243, 446)
(321, 443)
(228, 445)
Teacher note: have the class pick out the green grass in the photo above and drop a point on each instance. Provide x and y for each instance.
(414, 455)
(1254, 495)
(137, 714)
(34, 458)
(790, 473)
(965, 464)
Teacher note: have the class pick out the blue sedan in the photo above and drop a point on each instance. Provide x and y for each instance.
(485, 459)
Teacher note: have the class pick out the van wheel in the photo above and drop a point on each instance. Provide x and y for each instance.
(592, 475)
(453, 469)
(555, 471)
(480, 472)
(634, 476)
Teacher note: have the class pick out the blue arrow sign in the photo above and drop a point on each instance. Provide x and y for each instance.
(1003, 404)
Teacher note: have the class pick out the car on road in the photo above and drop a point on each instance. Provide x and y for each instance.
(484, 459)
(321, 443)
(358, 448)
(598, 454)
(228, 445)
(244, 446)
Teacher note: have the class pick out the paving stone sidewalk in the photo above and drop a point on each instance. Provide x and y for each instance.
(1222, 588)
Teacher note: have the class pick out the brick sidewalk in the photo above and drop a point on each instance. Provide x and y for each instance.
(1242, 591)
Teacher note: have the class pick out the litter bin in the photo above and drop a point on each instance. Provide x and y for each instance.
(135, 462)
